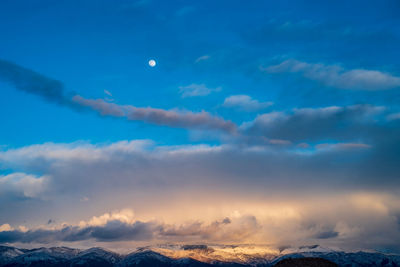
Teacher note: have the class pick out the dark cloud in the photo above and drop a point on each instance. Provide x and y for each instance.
(349, 123)
(326, 234)
(35, 83)
(112, 231)
(119, 230)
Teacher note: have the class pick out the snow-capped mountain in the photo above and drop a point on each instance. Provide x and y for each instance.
(9, 253)
(63, 256)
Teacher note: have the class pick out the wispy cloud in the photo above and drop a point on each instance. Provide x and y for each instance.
(336, 76)
(245, 102)
(196, 90)
(107, 92)
(202, 58)
(171, 118)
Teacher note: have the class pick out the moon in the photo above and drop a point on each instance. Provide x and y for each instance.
(152, 63)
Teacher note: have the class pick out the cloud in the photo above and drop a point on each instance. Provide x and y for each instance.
(139, 161)
(108, 99)
(53, 91)
(245, 102)
(113, 226)
(393, 116)
(112, 231)
(126, 216)
(107, 92)
(22, 185)
(329, 146)
(32, 82)
(331, 155)
(202, 58)
(171, 118)
(315, 124)
(346, 222)
(335, 76)
(78, 151)
(252, 195)
(122, 226)
(227, 230)
(326, 234)
(196, 90)
(111, 172)
(6, 227)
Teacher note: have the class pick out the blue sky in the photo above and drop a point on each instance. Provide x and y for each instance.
(103, 45)
(267, 97)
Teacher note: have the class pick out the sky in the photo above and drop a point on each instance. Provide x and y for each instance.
(263, 122)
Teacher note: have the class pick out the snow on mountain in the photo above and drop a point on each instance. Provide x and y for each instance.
(142, 258)
(96, 257)
(63, 256)
(353, 259)
(8, 253)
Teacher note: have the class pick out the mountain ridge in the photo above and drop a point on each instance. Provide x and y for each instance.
(96, 256)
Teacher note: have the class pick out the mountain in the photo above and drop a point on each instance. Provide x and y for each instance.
(357, 259)
(305, 262)
(304, 256)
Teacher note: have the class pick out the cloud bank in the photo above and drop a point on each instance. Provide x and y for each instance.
(355, 220)
(122, 226)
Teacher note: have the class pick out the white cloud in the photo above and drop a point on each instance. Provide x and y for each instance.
(23, 185)
(82, 151)
(126, 216)
(196, 90)
(336, 76)
(245, 102)
(202, 58)
(107, 92)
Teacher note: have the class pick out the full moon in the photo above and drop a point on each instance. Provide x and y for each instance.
(152, 63)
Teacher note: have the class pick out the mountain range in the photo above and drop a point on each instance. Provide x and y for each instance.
(305, 256)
